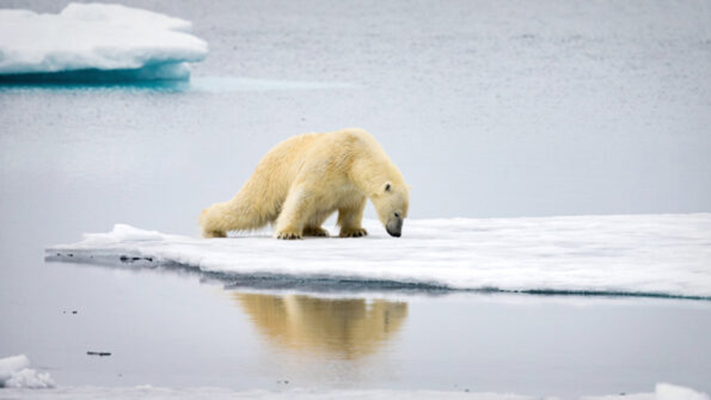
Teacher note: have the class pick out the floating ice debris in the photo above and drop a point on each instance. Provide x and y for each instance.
(95, 42)
(15, 372)
(663, 391)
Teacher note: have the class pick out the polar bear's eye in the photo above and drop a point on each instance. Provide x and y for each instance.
(397, 215)
(387, 187)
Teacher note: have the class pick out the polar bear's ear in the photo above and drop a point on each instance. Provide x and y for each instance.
(388, 186)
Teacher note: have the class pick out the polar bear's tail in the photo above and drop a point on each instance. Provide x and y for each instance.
(238, 214)
(211, 223)
(220, 218)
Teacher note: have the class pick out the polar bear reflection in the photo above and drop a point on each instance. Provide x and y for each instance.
(341, 328)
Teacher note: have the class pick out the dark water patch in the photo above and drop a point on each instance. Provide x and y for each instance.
(98, 353)
(127, 259)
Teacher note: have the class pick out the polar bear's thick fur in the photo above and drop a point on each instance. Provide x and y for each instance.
(303, 180)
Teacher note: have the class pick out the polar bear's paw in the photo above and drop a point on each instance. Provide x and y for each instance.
(284, 235)
(355, 232)
(214, 234)
(315, 231)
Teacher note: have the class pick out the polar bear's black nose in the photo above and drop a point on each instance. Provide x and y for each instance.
(394, 227)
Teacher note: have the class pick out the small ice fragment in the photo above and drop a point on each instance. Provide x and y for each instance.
(15, 373)
(666, 391)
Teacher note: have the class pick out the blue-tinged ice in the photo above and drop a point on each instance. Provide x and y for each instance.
(96, 42)
(640, 255)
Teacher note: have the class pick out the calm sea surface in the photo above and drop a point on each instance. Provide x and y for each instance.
(489, 109)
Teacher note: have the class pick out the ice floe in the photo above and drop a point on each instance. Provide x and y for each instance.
(100, 42)
(638, 255)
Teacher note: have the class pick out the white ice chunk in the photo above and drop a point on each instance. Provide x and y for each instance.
(665, 391)
(10, 365)
(104, 37)
(665, 255)
(15, 373)
(123, 233)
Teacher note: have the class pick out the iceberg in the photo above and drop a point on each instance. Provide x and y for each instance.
(96, 42)
(626, 255)
(15, 372)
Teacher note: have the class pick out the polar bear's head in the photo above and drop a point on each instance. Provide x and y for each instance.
(391, 202)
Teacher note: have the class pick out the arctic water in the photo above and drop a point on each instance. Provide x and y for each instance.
(490, 110)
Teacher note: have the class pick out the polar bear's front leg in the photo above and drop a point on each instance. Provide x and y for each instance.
(313, 225)
(350, 219)
(294, 214)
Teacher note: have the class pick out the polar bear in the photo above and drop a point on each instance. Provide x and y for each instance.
(300, 182)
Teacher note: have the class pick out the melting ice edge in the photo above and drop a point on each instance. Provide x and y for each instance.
(660, 256)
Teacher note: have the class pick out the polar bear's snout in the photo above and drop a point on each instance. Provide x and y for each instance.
(394, 226)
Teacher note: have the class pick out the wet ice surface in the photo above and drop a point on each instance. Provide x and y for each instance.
(642, 255)
(489, 109)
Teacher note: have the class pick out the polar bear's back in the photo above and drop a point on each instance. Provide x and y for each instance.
(332, 148)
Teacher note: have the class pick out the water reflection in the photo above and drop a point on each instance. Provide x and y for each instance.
(337, 328)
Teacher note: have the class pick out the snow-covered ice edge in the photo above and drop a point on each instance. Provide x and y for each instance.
(627, 255)
(95, 43)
